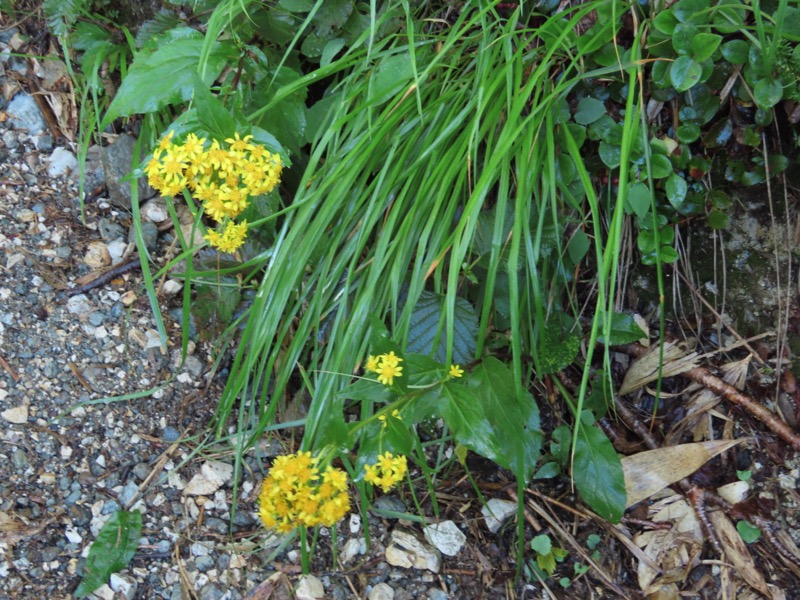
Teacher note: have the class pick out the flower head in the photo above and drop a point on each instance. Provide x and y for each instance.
(294, 494)
(230, 239)
(456, 371)
(387, 366)
(387, 472)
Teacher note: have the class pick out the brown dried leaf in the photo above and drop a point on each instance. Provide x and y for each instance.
(736, 552)
(645, 369)
(277, 587)
(651, 471)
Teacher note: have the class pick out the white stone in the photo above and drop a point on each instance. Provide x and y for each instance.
(382, 591)
(446, 537)
(79, 305)
(61, 161)
(199, 549)
(155, 210)
(212, 476)
(734, 492)
(123, 585)
(13, 260)
(355, 523)
(103, 593)
(496, 511)
(406, 550)
(116, 250)
(18, 414)
(171, 287)
(309, 588)
(352, 548)
(97, 255)
(73, 537)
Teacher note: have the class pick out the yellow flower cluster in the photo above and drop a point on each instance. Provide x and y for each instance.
(395, 414)
(222, 176)
(386, 366)
(387, 472)
(294, 494)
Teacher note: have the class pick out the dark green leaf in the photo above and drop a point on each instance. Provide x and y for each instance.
(296, 6)
(486, 416)
(660, 166)
(768, 92)
(719, 133)
(735, 51)
(561, 440)
(111, 551)
(286, 119)
(597, 472)
(688, 133)
(589, 110)
(704, 45)
(214, 305)
(665, 22)
(718, 219)
(610, 154)
(682, 38)
(638, 200)
(331, 16)
(624, 330)
(729, 15)
(667, 254)
(676, 189)
(684, 73)
(695, 11)
(330, 51)
(578, 246)
(427, 328)
(166, 76)
(548, 471)
(393, 74)
(213, 117)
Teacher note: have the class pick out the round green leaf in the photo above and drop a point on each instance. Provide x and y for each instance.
(749, 533)
(684, 73)
(638, 200)
(667, 254)
(610, 154)
(718, 219)
(768, 92)
(682, 38)
(660, 166)
(735, 51)
(660, 74)
(688, 133)
(704, 45)
(676, 190)
(589, 111)
(665, 22)
(729, 16)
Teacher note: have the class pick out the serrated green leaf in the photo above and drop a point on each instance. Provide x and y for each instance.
(486, 416)
(427, 328)
(589, 110)
(111, 552)
(597, 472)
(166, 76)
(684, 73)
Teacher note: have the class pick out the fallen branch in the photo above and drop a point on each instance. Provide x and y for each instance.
(713, 383)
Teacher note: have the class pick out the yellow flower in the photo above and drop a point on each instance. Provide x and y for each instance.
(372, 364)
(293, 496)
(230, 239)
(390, 360)
(239, 145)
(193, 146)
(166, 141)
(456, 371)
(387, 373)
(387, 472)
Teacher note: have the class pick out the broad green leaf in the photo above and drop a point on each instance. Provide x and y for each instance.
(428, 327)
(213, 117)
(331, 16)
(578, 246)
(735, 51)
(676, 189)
(296, 6)
(638, 200)
(768, 92)
(286, 119)
(166, 76)
(684, 73)
(589, 110)
(704, 45)
(729, 16)
(682, 38)
(665, 22)
(597, 472)
(486, 416)
(330, 51)
(624, 330)
(111, 551)
(660, 166)
(695, 11)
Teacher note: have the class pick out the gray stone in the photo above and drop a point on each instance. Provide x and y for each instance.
(204, 563)
(169, 434)
(110, 506)
(128, 492)
(194, 366)
(437, 595)
(117, 164)
(390, 504)
(25, 114)
(43, 143)
(97, 318)
(149, 235)
(10, 140)
(141, 470)
(217, 525)
(50, 553)
(19, 458)
(94, 173)
(109, 230)
(63, 252)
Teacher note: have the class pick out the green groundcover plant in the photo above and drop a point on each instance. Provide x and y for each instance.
(396, 204)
